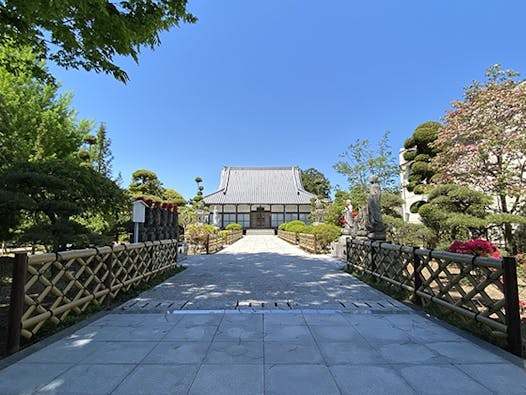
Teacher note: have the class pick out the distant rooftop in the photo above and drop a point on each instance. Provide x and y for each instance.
(260, 185)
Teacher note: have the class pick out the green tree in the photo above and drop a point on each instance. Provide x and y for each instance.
(97, 151)
(40, 132)
(483, 145)
(50, 196)
(419, 154)
(186, 216)
(172, 196)
(404, 233)
(38, 123)
(455, 212)
(334, 211)
(89, 34)
(146, 183)
(199, 194)
(361, 160)
(314, 181)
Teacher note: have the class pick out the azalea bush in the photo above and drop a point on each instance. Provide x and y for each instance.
(478, 247)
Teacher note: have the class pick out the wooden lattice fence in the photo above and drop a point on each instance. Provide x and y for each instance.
(478, 288)
(233, 236)
(48, 287)
(308, 242)
(291, 237)
(214, 243)
(210, 244)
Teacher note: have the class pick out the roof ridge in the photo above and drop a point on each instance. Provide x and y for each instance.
(260, 167)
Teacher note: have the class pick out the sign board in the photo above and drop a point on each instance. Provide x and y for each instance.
(138, 211)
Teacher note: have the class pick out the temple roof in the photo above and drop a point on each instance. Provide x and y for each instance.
(260, 185)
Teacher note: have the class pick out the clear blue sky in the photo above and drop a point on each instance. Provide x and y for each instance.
(293, 82)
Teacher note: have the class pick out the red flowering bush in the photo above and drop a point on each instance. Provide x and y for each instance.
(478, 247)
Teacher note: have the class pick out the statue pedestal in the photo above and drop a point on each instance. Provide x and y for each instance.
(338, 247)
(377, 236)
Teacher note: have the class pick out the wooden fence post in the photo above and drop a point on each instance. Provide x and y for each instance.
(348, 252)
(207, 244)
(417, 279)
(16, 303)
(372, 257)
(511, 306)
(109, 277)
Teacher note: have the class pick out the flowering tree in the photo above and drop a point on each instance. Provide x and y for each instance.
(483, 145)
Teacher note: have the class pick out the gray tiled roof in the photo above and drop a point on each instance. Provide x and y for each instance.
(260, 185)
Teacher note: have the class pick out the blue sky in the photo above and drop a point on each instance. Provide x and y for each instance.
(293, 82)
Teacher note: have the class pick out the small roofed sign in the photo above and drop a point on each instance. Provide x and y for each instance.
(138, 211)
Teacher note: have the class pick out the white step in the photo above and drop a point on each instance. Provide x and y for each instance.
(252, 232)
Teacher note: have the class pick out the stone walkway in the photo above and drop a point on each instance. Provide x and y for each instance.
(263, 317)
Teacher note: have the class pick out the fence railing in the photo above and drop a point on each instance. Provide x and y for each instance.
(211, 244)
(478, 288)
(214, 243)
(288, 236)
(233, 236)
(308, 242)
(48, 287)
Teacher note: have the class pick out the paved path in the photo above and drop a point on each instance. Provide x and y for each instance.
(301, 326)
(262, 272)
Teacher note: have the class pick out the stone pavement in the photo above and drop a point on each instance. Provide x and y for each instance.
(263, 317)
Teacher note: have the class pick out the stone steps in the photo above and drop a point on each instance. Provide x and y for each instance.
(257, 232)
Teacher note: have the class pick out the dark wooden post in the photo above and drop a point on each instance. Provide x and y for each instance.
(417, 278)
(511, 305)
(207, 244)
(348, 252)
(372, 257)
(16, 304)
(109, 276)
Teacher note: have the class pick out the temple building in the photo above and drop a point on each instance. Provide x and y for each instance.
(260, 197)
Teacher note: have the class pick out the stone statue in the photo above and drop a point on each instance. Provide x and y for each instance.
(347, 218)
(359, 224)
(375, 224)
(319, 211)
(215, 218)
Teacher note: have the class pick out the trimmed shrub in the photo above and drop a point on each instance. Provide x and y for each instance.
(308, 229)
(295, 226)
(282, 226)
(198, 233)
(233, 227)
(325, 234)
(409, 155)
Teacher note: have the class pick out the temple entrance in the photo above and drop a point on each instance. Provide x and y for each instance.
(260, 219)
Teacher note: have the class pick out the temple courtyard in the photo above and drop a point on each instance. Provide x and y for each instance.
(262, 317)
